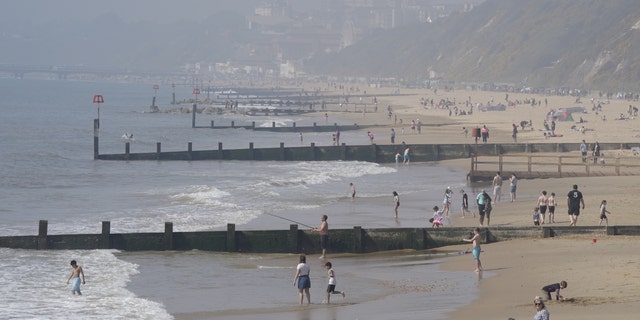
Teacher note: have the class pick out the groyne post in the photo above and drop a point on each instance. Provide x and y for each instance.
(42, 234)
(105, 240)
(190, 150)
(96, 130)
(158, 150)
(253, 124)
(211, 123)
(168, 236)
(282, 151)
(127, 150)
(220, 154)
(357, 239)
(231, 237)
(293, 238)
(193, 115)
(343, 151)
(313, 151)
(374, 153)
(233, 124)
(251, 154)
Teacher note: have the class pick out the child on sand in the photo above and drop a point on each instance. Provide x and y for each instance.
(465, 203)
(436, 220)
(603, 213)
(331, 288)
(536, 216)
(554, 287)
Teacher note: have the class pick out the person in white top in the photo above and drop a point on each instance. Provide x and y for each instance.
(331, 287)
(302, 279)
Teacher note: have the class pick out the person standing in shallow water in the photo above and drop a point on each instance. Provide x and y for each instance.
(77, 274)
(475, 239)
(396, 203)
(302, 279)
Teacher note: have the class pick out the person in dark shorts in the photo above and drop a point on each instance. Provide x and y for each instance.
(554, 287)
(331, 287)
(574, 200)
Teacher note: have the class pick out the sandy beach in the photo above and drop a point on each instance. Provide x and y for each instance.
(600, 270)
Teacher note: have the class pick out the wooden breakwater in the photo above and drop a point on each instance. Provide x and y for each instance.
(532, 166)
(294, 240)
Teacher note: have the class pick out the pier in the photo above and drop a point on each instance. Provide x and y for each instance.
(293, 240)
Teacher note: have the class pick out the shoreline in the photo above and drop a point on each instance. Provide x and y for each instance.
(519, 268)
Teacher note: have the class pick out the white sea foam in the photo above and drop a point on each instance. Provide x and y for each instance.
(34, 287)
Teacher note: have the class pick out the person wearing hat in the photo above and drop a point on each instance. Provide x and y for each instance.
(541, 310)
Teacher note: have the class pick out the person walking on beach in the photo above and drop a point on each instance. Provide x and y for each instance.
(574, 200)
(542, 203)
(77, 275)
(583, 151)
(396, 203)
(551, 206)
(302, 279)
(497, 187)
(465, 203)
(541, 310)
(331, 287)
(513, 186)
(393, 136)
(353, 191)
(323, 229)
(603, 213)
(475, 239)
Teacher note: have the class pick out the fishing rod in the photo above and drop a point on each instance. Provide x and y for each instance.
(283, 218)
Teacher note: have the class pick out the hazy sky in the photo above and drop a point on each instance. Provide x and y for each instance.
(42, 11)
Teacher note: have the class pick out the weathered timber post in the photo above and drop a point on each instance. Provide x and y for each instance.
(168, 236)
(96, 130)
(374, 153)
(105, 241)
(189, 150)
(313, 151)
(420, 237)
(293, 238)
(282, 155)
(211, 123)
(233, 124)
(231, 237)
(220, 153)
(343, 151)
(194, 109)
(158, 150)
(42, 234)
(357, 239)
(251, 154)
(127, 150)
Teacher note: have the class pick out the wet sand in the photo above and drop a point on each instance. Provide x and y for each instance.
(601, 273)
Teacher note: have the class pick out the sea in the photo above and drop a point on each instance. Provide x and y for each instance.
(48, 173)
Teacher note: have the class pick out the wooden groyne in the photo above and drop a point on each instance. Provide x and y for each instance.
(294, 240)
(532, 166)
